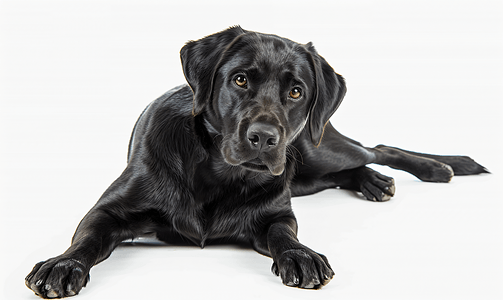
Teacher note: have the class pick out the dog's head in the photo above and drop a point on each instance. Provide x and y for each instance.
(259, 92)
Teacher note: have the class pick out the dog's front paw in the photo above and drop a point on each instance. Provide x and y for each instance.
(377, 187)
(57, 277)
(303, 268)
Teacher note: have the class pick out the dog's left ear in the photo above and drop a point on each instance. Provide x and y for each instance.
(330, 90)
(199, 61)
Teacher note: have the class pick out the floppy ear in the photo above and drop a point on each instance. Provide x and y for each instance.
(330, 90)
(199, 61)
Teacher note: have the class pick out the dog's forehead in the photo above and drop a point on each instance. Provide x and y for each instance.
(272, 50)
(269, 53)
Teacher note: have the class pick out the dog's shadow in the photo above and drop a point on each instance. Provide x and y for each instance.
(148, 256)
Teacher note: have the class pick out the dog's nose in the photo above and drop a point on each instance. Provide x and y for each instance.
(263, 136)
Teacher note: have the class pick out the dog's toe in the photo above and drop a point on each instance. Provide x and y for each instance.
(57, 278)
(378, 188)
(303, 268)
(436, 171)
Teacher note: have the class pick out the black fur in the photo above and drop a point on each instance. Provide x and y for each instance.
(220, 160)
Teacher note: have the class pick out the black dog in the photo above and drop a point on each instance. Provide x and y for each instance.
(221, 159)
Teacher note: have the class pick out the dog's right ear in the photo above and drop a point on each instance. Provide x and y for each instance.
(199, 61)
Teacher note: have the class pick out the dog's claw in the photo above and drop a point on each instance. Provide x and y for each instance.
(52, 294)
(274, 269)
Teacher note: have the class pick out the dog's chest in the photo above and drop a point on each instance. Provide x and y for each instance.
(214, 218)
(221, 218)
(226, 208)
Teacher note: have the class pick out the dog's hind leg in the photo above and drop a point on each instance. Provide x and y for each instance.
(426, 167)
(373, 185)
(461, 165)
(338, 162)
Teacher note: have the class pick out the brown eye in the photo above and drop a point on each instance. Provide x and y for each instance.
(295, 93)
(241, 81)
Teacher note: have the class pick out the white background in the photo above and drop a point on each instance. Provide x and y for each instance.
(421, 75)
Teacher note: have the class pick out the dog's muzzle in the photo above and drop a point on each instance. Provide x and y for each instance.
(260, 147)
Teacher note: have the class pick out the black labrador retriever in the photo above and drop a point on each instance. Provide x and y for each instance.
(220, 158)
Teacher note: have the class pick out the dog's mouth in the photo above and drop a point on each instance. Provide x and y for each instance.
(255, 165)
(258, 165)
(269, 163)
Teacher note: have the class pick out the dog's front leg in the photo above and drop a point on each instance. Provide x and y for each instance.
(66, 274)
(296, 264)
(105, 226)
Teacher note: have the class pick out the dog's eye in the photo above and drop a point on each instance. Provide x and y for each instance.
(295, 93)
(241, 81)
